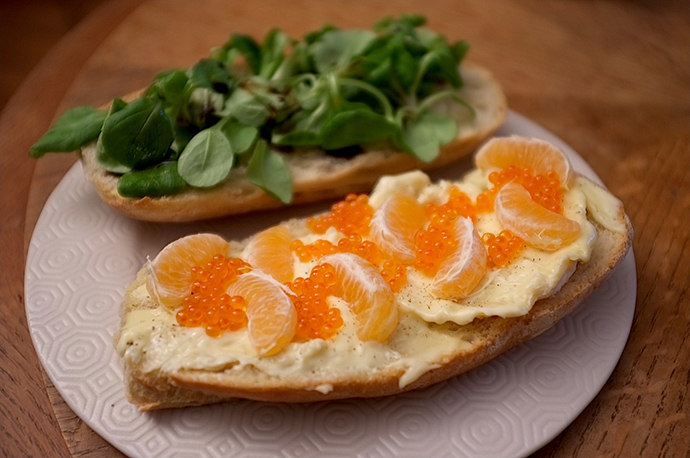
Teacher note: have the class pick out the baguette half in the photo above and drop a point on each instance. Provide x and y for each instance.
(316, 176)
(477, 342)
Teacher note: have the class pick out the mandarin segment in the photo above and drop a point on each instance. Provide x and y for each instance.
(170, 279)
(369, 296)
(535, 154)
(464, 268)
(269, 251)
(272, 319)
(394, 226)
(537, 226)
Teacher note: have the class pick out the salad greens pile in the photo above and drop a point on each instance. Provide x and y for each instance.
(337, 90)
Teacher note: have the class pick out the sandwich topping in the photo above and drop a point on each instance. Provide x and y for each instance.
(387, 279)
(248, 104)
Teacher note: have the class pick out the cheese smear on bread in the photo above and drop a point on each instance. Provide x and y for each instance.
(429, 329)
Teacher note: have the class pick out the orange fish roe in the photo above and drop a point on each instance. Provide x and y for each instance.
(315, 318)
(433, 245)
(363, 248)
(350, 216)
(436, 242)
(502, 248)
(544, 189)
(485, 200)
(307, 253)
(208, 304)
(352, 244)
(395, 274)
(458, 204)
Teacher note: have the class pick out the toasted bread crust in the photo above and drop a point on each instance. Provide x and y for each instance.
(316, 176)
(490, 337)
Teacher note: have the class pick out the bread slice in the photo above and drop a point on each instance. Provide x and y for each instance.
(316, 176)
(472, 344)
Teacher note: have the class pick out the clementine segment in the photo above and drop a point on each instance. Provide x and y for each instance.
(272, 319)
(394, 226)
(464, 268)
(538, 155)
(537, 226)
(171, 276)
(270, 252)
(369, 296)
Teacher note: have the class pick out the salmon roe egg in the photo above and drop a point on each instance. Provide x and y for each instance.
(350, 216)
(316, 319)
(208, 305)
(502, 248)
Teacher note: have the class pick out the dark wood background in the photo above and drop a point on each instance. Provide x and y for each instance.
(28, 30)
(610, 77)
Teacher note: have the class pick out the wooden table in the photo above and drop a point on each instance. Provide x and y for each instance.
(612, 78)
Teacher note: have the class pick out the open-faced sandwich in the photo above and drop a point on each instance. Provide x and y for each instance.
(259, 125)
(408, 286)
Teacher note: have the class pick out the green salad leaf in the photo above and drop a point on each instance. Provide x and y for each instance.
(305, 127)
(104, 159)
(425, 135)
(249, 49)
(75, 128)
(240, 136)
(273, 52)
(207, 159)
(335, 49)
(210, 74)
(342, 91)
(161, 180)
(267, 169)
(168, 87)
(247, 108)
(356, 127)
(138, 135)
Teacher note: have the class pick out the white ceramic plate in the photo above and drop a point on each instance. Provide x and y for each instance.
(83, 255)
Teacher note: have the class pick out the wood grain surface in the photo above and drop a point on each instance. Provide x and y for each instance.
(611, 78)
(28, 30)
